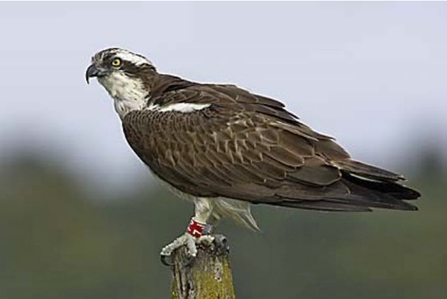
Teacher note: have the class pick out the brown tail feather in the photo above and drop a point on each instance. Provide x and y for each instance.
(390, 188)
(323, 205)
(368, 171)
(363, 195)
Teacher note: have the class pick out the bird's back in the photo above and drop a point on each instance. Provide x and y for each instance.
(215, 141)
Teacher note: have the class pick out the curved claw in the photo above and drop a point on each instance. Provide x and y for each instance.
(184, 240)
(166, 260)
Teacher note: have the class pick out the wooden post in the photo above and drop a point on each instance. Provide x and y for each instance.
(208, 276)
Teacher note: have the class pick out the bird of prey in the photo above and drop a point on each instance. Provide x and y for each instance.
(225, 148)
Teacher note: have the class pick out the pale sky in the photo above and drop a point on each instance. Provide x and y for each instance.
(373, 75)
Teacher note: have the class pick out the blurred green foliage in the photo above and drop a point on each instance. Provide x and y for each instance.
(57, 243)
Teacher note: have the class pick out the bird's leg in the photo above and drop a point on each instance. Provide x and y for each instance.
(198, 232)
(197, 228)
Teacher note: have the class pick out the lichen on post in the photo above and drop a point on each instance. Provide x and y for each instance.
(208, 276)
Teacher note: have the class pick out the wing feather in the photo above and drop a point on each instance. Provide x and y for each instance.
(248, 147)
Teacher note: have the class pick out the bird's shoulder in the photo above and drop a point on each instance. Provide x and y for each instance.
(167, 90)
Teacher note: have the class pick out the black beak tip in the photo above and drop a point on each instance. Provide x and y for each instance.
(91, 71)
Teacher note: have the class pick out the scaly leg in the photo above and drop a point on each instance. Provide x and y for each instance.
(198, 232)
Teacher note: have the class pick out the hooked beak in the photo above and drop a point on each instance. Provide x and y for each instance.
(93, 71)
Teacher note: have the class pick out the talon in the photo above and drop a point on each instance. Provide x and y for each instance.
(221, 245)
(166, 260)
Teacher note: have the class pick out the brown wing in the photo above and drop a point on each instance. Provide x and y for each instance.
(248, 147)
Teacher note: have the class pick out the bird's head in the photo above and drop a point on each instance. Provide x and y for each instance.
(125, 75)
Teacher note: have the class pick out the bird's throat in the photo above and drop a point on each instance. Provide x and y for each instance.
(128, 93)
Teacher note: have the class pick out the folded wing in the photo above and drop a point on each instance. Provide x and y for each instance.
(248, 147)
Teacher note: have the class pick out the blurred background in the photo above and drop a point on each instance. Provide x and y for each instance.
(81, 217)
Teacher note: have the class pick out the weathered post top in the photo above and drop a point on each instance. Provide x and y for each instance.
(208, 276)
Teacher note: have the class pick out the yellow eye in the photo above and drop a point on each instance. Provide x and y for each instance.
(116, 62)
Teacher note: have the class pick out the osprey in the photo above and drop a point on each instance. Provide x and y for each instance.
(225, 148)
